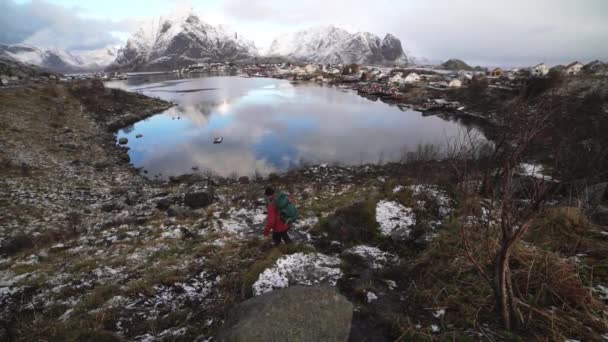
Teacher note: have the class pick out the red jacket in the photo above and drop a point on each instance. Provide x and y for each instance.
(274, 223)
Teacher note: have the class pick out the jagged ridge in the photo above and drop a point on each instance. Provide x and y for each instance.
(333, 45)
(181, 40)
(59, 60)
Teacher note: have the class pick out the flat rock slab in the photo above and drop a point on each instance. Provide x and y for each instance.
(297, 313)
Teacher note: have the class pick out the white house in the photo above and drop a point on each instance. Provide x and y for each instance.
(540, 70)
(299, 71)
(311, 68)
(465, 74)
(412, 77)
(455, 83)
(397, 78)
(574, 68)
(335, 71)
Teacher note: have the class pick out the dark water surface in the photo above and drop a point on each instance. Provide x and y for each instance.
(270, 125)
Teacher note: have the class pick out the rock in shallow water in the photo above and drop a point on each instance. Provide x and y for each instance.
(123, 141)
(298, 313)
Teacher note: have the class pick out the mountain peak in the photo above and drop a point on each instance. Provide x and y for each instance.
(179, 40)
(59, 60)
(334, 45)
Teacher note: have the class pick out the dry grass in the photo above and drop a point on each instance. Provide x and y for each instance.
(555, 303)
(563, 229)
(352, 225)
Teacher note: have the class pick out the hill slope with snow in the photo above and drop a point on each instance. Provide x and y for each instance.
(333, 45)
(58, 60)
(180, 40)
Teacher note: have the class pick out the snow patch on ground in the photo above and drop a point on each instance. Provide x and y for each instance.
(374, 256)
(392, 215)
(371, 297)
(306, 223)
(299, 269)
(602, 291)
(439, 313)
(173, 234)
(243, 221)
(433, 193)
(391, 284)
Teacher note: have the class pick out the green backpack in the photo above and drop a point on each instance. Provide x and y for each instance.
(288, 212)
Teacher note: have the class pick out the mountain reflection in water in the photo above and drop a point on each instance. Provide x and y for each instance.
(272, 125)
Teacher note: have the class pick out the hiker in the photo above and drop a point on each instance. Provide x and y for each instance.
(281, 214)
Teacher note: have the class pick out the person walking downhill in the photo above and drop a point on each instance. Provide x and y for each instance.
(281, 214)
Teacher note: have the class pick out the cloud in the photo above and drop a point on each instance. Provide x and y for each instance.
(43, 24)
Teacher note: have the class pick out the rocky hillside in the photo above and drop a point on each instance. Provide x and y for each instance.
(456, 64)
(333, 45)
(181, 40)
(60, 61)
(12, 70)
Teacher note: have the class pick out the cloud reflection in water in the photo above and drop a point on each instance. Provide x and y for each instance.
(271, 125)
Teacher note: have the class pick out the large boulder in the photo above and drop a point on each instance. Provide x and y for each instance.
(12, 245)
(198, 199)
(298, 313)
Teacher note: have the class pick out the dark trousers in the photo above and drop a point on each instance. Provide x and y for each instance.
(277, 237)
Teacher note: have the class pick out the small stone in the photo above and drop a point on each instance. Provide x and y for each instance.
(163, 204)
(131, 198)
(244, 180)
(109, 207)
(139, 136)
(175, 211)
(123, 141)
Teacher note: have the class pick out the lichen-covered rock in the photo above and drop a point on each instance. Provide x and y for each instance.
(198, 199)
(395, 220)
(295, 314)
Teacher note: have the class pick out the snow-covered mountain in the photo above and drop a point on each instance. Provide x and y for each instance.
(331, 44)
(60, 60)
(181, 40)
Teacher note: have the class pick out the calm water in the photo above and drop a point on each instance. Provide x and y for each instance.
(270, 125)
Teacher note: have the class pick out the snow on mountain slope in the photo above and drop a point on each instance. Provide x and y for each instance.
(330, 44)
(98, 58)
(60, 60)
(179, 40)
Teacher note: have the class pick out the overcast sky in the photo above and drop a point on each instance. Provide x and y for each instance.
(488, 32)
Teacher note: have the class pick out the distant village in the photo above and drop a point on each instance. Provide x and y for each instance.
(390, 84)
